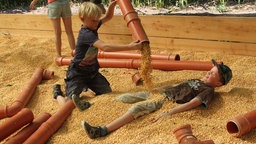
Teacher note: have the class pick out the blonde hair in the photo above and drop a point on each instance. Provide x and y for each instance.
(89, 10)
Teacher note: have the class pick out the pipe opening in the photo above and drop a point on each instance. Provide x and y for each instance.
(232, 127)
(47, 75)
(177, 57)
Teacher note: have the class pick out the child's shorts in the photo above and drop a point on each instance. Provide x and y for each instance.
(59, 8)
(145, 108)
(98, 84)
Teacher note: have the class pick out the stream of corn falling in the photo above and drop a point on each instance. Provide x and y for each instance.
(146, 68)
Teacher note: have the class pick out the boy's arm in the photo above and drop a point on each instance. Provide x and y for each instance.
(32, 4)
(108, 47)
(110, 12)
(195, 102)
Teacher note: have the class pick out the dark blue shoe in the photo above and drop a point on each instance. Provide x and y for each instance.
(94, 132)
(81, 105)
(57, 91)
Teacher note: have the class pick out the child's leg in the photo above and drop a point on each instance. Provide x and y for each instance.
(74, 87)
(100, 131)
(58, 94)
(57, 32)
(61, 100)
(119, 122)
(99, 85)
(68, 27)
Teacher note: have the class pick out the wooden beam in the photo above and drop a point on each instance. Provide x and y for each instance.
(231, 35)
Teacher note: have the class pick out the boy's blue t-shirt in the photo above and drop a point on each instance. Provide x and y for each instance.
(85, 57)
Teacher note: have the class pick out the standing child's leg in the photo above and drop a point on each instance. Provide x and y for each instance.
(68, 27)
(57, 31)
(67, 20)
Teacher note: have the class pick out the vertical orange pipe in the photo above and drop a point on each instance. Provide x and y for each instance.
(22, 135)
(156, 64)
(132, 20)
(242, 124)
(26, 93)
(22, 118)
(49, 127)
(184, 135)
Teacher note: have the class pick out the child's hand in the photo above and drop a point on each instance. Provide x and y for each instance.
(162, 115)
(137, 44)
(112, 1)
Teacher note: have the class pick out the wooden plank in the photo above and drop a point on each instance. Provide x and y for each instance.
(235, 48)
(239, 29)
(25, 22)
(157, 43)
(235, 29)
(226, 35)
(189, 44)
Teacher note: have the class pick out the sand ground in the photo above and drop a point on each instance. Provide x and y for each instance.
(20, 56)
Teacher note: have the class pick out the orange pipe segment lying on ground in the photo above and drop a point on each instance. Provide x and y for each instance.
(127, 55)
(130, 55)
(26, 93)
(19, 120)
(26, 132)
(156, 64)
(242, 124)
(49, 127)
(184, 135)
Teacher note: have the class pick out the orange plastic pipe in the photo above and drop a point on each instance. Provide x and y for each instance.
(132, 20)
(49, 127)
(156, 64)
(26, 93)
(242, 124)
(184, 135)
(22, 118)
(126, 55)
(26, 132)
(60, 61)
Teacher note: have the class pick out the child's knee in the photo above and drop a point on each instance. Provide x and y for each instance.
(145, 108)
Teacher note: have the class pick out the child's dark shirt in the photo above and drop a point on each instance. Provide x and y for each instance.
(188, 90)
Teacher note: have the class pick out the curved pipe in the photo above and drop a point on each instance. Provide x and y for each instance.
(22, 135)
(132, 20)
(49, 127)
(26, 93)
(242, 124)
(136, 78)
(22, 118)
(156, 64)
(184, 135)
